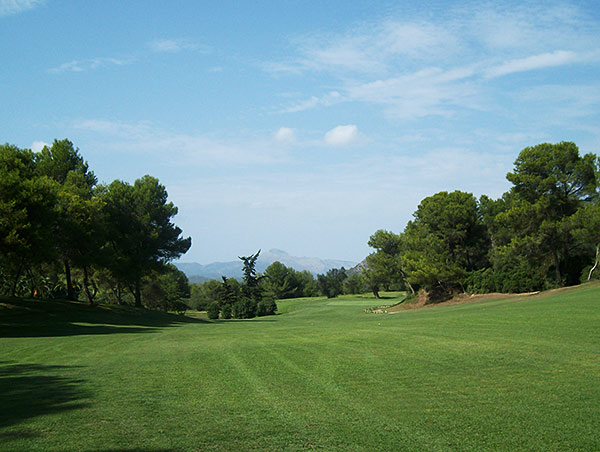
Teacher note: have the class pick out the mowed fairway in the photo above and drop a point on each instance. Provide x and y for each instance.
(505, 375)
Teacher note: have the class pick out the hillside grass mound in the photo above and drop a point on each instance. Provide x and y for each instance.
(503, 374)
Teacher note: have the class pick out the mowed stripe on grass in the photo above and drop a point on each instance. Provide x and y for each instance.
(514, 374)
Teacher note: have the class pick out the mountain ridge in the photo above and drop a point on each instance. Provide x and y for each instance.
(233, 269)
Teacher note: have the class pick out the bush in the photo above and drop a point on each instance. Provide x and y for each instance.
(266, 307)
(244, 309)
(226, 311)
(213, 310)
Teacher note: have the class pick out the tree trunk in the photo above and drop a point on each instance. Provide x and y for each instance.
(556, 265)
(407, 282)
(596, 263)
(137, 294)
(86, 287)
(70, 291)
(375, 290)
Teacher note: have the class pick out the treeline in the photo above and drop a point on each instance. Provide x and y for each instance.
(543, 233)
(279, 282)
(63, 235)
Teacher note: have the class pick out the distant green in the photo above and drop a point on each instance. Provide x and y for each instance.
(504, 375)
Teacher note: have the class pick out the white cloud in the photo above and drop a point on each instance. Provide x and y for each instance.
(175, 45)
(9, 7)
(544, 60)
(88, 64)
(285, 135)
(37, 146)
(342, 135)
(325, 101)
(431, 91)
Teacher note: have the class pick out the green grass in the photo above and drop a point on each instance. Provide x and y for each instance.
(503, 375)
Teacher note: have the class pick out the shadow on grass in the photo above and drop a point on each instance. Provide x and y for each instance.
(45, 318)
(31, 390)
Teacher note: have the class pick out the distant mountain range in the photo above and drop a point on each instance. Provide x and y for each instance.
(198, 272)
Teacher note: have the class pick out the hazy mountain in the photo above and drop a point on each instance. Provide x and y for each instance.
(233, 269)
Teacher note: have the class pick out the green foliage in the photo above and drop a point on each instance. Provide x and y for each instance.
(245, 308)
(251, 288)
(542, 233)
(356, 283)
(383, 266)
(203, 294)
(62, 234)
(228, 292)
(213, 310)
(166, 289)
(142, 235)
(332, 284)
(551, 182)
(226, 311)
(283, 282)
(266, 307)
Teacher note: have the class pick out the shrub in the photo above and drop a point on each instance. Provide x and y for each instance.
(244, 309)
(226, 311)
(266, 307)
(213, 310)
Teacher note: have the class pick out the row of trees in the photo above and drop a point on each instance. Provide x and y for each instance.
(62, 233)
(279, 282)
(544, 232)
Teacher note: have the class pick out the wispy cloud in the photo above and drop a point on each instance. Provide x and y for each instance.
(89, 64)
(9, 7)
(440, 65)
(544, 60)
(368, 50)
(328, 99)
(185, 149)
(176, 45)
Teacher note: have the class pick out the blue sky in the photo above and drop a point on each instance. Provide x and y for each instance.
(303, 126)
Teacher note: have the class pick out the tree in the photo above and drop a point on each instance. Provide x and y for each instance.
(283, 282)
(141, 235)
(75, 211)
(550, 183)
(355, 283)
(26, 214)
(166, 289)
(587, 229)
(383, 266)
(446, 240)
(332, 283)
(251, 291)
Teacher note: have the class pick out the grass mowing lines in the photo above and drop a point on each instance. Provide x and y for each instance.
(497, 375)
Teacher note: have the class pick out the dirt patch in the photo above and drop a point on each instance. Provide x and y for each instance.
(422, 301)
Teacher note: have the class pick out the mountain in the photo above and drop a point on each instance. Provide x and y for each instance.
(234, 269)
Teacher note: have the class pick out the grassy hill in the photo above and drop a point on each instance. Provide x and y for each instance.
(520, 374)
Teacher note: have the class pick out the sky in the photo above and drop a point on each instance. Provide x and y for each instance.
(300, 125)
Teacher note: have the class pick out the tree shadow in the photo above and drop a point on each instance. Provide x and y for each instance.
(31, 390)
(46, 318)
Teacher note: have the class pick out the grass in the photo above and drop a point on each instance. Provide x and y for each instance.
(500, 375)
